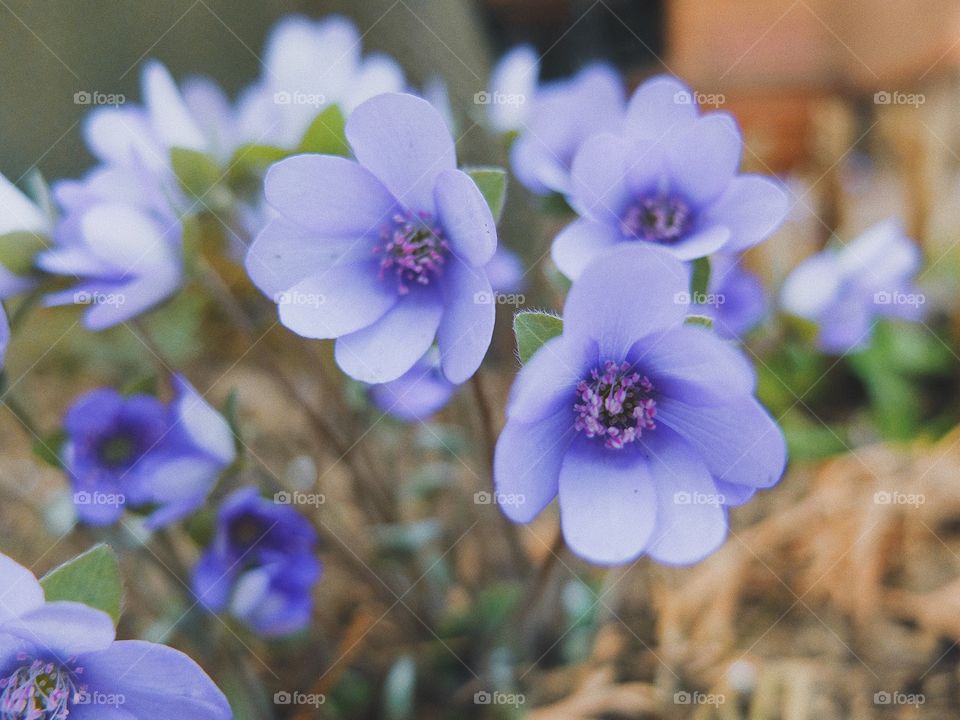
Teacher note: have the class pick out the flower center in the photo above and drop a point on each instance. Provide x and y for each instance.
(657, 218)
(117, 450)
(39, 690)
(615, 404)
(413, 248)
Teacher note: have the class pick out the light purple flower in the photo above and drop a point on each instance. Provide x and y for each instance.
(513, 86)
(417, 394)
(561, 116)
(735, 299)
(845, 289)
(308, 66)
(136, 452)
(670, 179)
(645, 427)
(19, 214)
(385, 254)
(60, 659)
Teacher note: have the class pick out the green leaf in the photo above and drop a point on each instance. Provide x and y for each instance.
(703, 320)
(198, 174)
(533, 329)
(700, 278)
(326, 134)
(492, 182)
(18, 249)
(92, 578)
(249, 163)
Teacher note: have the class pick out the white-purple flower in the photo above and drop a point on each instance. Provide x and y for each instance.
(846, 289)
(387, 253)
(61, 659)
(645, 427)
(669, 179)
(561, 116)
(139, 453)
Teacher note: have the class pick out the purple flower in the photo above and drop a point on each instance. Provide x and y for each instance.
(261, 565)
(309, 65)
(846, 289)
(418, 393)
(60, 659)
(670, 179)
(137, 452)
(645, 427)
(735, 301)
(513, 86)
(384, 254)
(18, 215)
(561, 116)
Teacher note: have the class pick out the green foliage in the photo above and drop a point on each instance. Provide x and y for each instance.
(700, 277)
(200, 176)
(492, 182)
(92, 578)
(18, 249)
(326, 134)
(532, 330)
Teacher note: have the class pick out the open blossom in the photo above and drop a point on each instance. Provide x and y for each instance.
(386, 253)
(645, 427)
(309, 65)
(261, 565)
(561, 116)
(845, 289)
(670, 179)
(60, 660)
(136, 452)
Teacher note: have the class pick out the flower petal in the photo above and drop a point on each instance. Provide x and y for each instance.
(604, 303)
(739, 442)
(404, 141)
(333, 195)
(599, 178)
(608, 502)
(691, 518)
(527, 461)
(700, 244)
(18, 212)
(392, 345)
(19, 590)
(752, 206)
(69, 628)
(658, 108)
(169, 115)
(337, 301)
(155, 681)
(466, 217)
(117, 305)
(467, 326)
(579, 243)
(547, 382)
(206, 428)
(705, 156)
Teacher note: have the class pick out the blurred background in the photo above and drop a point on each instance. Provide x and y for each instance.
(825, 603)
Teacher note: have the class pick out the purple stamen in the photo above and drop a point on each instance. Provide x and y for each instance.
(39, 690)
(413, 248)
(615, 404)
(657, 218)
